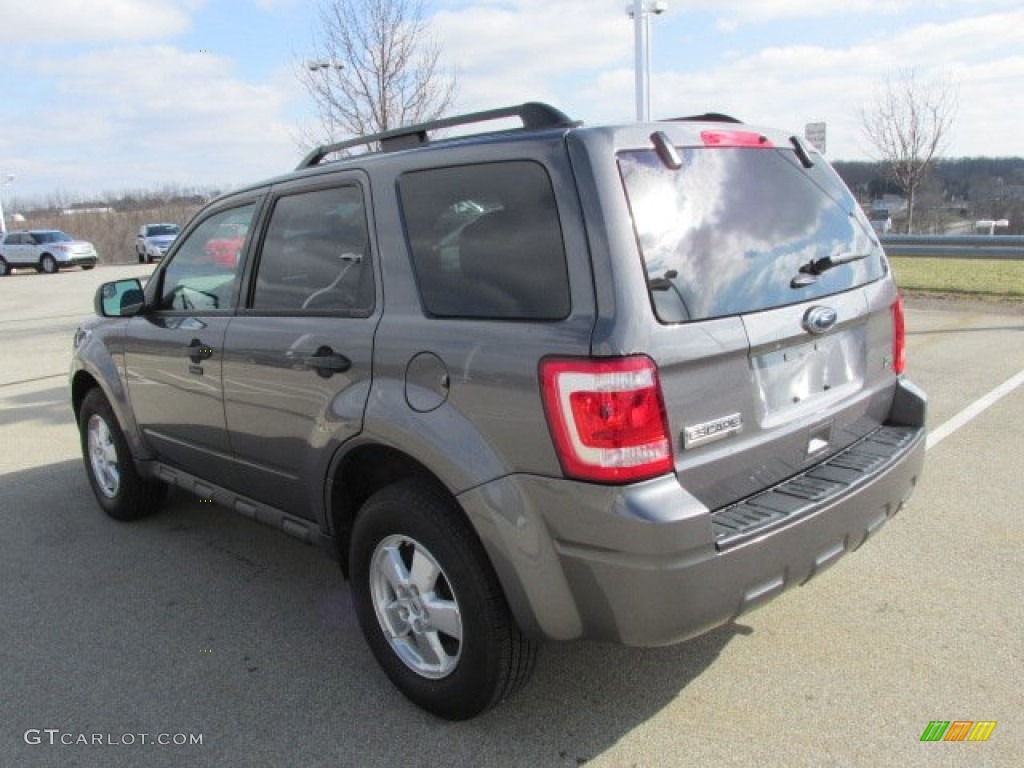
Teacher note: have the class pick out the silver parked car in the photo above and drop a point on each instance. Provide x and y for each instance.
(623, 383)
(47, 250)
(153, 240)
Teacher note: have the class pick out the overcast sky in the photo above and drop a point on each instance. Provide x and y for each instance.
(122, 95)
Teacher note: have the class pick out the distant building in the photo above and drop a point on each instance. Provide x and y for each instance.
(73, 210)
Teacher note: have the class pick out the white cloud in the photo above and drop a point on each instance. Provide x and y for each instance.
(128, 113)
(59, 21)
(132, 116)
(515, 50)
(788, 86)
(733, 13)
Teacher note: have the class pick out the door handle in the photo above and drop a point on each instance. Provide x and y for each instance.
(196, 351)
(326, 362)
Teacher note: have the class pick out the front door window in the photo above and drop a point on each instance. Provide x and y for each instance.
(204, 273)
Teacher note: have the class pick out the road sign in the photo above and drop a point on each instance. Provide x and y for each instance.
(815, 134)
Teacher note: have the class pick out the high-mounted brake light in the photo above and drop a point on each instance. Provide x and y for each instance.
(735, 139)
(899, 337)
(607, 418)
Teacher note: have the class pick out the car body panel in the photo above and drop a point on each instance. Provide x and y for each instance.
(285, 419)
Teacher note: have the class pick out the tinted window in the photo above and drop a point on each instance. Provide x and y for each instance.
(315, 254)
(486, 241)
(51, 237)
(204, 272)
(729, 231)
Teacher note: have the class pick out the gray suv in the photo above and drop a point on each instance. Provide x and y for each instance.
(547, 383)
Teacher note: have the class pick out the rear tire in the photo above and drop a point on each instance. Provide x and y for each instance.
(430, 605)
(118, 487)
(5, 268)
(48, 264)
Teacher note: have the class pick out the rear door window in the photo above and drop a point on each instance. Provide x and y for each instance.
(737, 230)
(315, 255)
(486, 241)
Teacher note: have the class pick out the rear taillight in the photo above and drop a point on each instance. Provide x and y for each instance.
(899, 337)
(607, 418)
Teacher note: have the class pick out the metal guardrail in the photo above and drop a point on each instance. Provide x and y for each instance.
(955, 246)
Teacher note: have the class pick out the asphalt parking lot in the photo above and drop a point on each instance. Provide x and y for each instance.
(198, 623)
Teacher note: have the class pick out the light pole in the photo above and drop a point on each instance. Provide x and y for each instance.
(315, 65)
(640, 11)
(3, 183)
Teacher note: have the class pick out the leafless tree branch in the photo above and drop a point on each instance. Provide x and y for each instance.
(909, 124)
(391, 73)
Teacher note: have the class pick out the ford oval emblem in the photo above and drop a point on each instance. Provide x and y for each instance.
(818, 320)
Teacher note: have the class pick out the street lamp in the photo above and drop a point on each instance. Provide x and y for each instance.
(3, 183)
(640, 11)
(315, 65)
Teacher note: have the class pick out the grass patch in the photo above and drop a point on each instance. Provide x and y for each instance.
(992, 277)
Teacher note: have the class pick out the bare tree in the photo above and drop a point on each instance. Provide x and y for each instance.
(907, 125)
(384, 68)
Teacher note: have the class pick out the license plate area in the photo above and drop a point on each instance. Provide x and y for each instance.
(808, 375)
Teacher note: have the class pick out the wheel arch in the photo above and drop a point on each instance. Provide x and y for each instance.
(42, 259)
(356, 476)
(81, 383)
(102, 374)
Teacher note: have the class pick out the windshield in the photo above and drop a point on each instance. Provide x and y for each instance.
(729, 231)
(162, 230)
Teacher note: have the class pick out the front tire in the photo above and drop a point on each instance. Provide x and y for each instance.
(48, 264)
(430, 605)
(119, 489)
(5, 268)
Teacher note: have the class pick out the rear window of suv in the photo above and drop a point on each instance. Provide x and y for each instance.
(486, 241)
(729, 231)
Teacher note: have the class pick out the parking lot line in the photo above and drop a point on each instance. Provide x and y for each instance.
(974, 409)
(33, 379)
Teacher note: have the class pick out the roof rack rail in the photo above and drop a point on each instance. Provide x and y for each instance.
(707, 117)
(534, 115)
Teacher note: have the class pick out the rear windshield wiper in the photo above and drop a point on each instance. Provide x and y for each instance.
(663, 283)
(810, 271)
(666, 282)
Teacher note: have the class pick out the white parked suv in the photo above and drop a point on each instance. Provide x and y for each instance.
(47, 250)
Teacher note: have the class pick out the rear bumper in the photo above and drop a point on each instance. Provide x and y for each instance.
(647, 564)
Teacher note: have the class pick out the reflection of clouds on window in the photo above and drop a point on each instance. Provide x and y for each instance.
(732, 227)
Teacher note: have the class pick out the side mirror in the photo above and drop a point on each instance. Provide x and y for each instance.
(121, 298)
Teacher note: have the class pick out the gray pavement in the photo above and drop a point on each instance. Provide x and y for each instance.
(199, 623)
